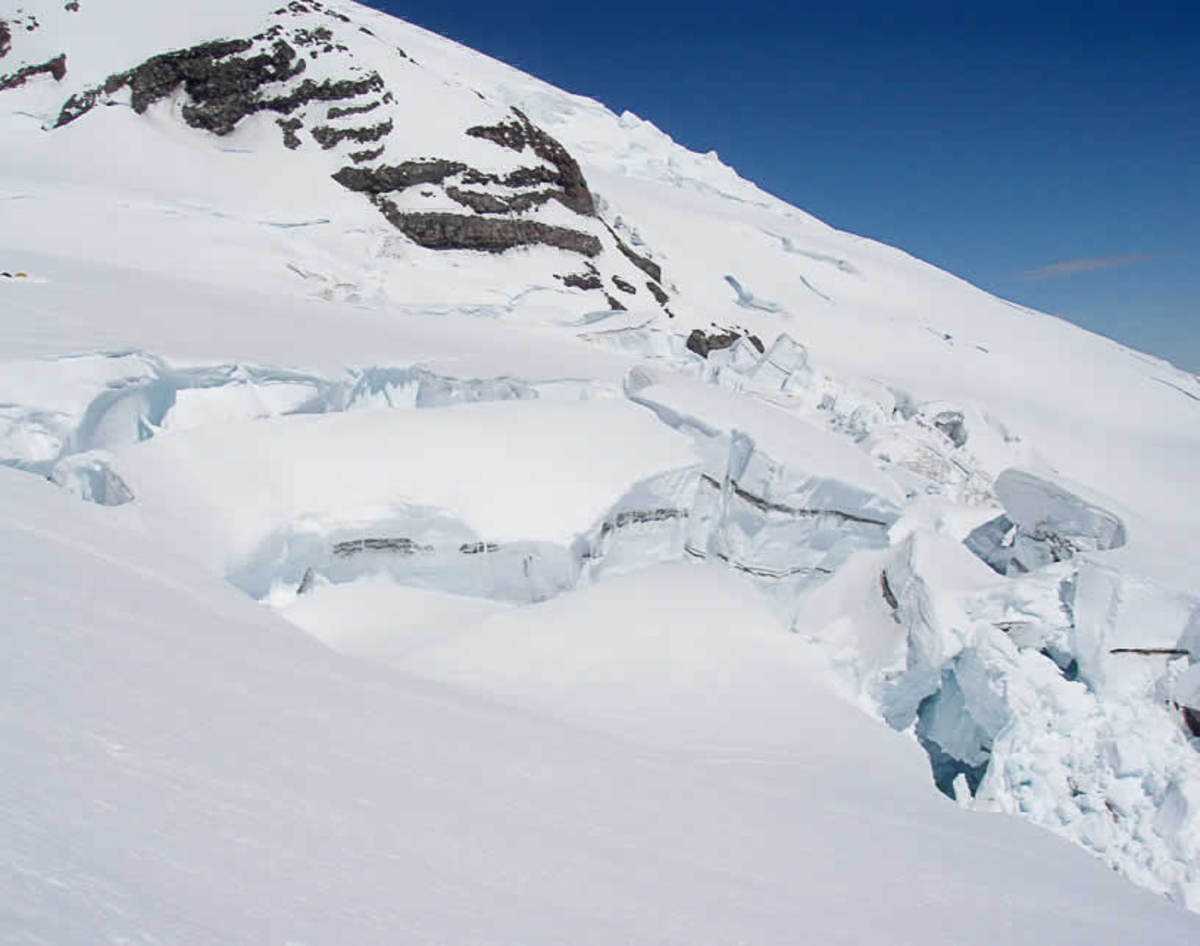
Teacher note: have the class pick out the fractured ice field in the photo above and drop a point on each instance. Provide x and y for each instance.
(390, 511)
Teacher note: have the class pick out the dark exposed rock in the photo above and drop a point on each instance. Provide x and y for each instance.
(478, 201)
(222, 86)
(485, 203)
(615, 304)
(657, 291)
(885, 588)
(588, 280)
(630, 517)
(82, 102)
(519, 203)
(478, 548)
(5, 39)
(369, 154)
(211, 74)
(1191, 719)
(624, 286)
(290, 127)
(447, 231)
(56, 67)
(328, 137)
(71, 6)
(649, 267)
(307, 91)
(400, 546)
(321, 36)
(306, 582)
(525, 177)
(522, 133)
(702, 343)
(340, 111)
(396, 177)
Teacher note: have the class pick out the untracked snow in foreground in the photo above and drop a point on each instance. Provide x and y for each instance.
(194, 770)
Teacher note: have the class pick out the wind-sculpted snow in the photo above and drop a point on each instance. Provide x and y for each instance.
(538, 471)
(57, 409)
(472, 378)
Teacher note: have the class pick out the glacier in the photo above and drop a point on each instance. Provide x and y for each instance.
(437, 508)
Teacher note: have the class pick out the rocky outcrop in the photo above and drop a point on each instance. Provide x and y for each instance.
(341, 111)
(5, 39)
(447, 231)
(587, 281)
(521, 134)
(702, 342)
(462, 184)
(647, 266)
(290, 128)
(657, 291)
(388, 179)
(327, 137)
(484, 203)
(366, 155)
(56, 68)
(582, 281)
(226, 80)
(480, 201)
(223, 86)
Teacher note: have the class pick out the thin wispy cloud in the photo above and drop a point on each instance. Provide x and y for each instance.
(1070, 267)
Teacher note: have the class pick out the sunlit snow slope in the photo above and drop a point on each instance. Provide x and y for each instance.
(503, 525)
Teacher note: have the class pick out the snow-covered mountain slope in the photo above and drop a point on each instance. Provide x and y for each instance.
(558, 697)
(180, 766)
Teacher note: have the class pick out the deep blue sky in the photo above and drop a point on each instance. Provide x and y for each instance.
(994, 140)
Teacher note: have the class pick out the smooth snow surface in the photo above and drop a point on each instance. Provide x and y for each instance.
(536, 469)
(639, 575)
(192, 770)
